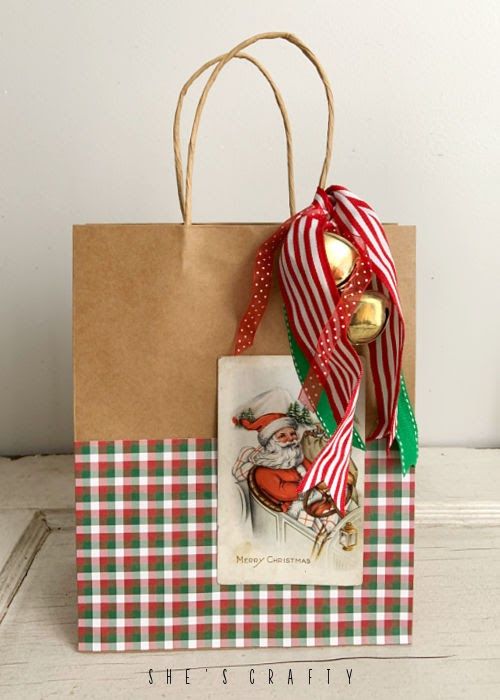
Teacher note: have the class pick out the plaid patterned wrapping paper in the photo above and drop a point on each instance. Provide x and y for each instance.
(146, 559)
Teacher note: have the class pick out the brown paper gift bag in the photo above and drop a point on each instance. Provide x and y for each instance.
(154, 307)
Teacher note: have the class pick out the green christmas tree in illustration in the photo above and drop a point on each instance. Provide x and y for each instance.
(300, 413)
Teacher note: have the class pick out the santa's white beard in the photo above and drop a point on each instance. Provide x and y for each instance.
(276, 456)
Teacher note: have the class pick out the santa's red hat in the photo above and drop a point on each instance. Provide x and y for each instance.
(255, 415)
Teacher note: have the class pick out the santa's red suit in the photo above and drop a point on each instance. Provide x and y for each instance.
(280, 485)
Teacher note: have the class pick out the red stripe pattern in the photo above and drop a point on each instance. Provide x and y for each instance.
(319, 317)
(357, 220)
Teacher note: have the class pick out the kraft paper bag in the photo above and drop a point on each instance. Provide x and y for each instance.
(154, 307)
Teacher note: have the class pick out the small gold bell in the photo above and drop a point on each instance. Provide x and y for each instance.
(341, 257)
(369, 319)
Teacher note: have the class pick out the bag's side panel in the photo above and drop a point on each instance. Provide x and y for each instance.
(145, 551)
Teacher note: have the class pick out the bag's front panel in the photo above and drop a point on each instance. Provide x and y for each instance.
(146, 558)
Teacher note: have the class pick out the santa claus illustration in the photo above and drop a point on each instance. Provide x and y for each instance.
(275, 468)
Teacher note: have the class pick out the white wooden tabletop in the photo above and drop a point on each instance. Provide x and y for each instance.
(456, 645)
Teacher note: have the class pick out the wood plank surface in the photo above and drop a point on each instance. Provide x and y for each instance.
(12, 525)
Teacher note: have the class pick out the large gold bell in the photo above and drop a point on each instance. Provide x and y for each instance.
(341, 258)
(369, 319)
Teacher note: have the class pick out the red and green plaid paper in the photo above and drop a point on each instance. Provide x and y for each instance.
(146, 558)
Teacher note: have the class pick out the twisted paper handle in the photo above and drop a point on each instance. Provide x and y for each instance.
(284, 114)
(221, 61)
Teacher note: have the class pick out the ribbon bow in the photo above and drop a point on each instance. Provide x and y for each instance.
(318, 315)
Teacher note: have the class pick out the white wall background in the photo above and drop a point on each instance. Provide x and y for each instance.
(88, 90)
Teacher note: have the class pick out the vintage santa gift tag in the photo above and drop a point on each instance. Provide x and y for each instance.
(269, 532)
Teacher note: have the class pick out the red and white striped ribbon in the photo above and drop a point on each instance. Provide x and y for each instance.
(386, 352)
(319, 317)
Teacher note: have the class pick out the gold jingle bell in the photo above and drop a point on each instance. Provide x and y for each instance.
(369, 319)
(371, 315)
(341, 257)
